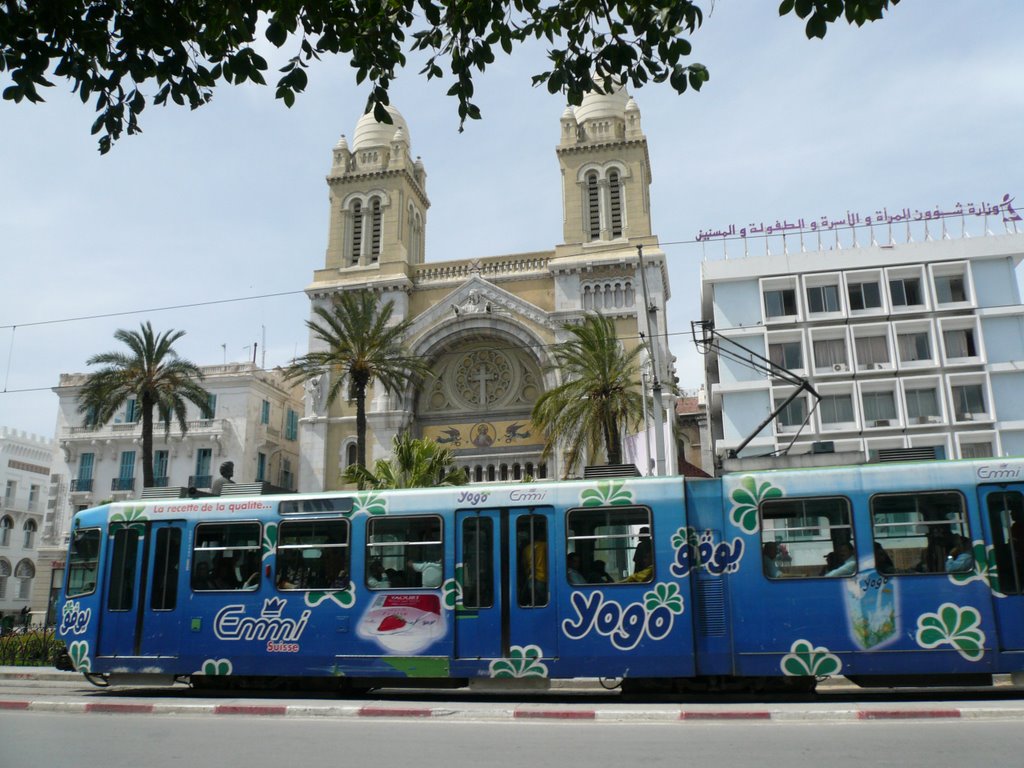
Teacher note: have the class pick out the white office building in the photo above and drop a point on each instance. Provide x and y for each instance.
(912, 349)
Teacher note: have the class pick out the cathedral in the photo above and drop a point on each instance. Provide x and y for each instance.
(486, 326)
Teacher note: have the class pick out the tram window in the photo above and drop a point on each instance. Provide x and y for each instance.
(477, 562)
(83, 560)
(612, 545)
(312, 554)
(164, 596)
(807, 538)
(404, 552)
(226, 556)
(333, 504)
(532, 556)
(921, 533)
(123, 561)
(1006, 519)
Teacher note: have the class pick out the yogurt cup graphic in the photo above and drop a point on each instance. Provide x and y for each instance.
(403, 623)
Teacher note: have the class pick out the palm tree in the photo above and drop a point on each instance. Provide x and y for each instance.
(414, 463)
(361, 346)
(153, 373)
(598, 397)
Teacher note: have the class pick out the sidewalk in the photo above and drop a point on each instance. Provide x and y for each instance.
(38, 694)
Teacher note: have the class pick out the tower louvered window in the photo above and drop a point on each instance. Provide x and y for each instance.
(593, 207)
(615, 203)
(357, 232)
(375, 216)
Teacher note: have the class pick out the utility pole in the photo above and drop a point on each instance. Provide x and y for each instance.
(658, 413)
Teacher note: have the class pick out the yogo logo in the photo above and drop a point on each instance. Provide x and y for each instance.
(625, 626)
(472, 497)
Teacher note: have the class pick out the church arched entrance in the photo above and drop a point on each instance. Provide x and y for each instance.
(478, 404)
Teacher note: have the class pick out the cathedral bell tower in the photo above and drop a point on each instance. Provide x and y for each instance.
(606, 172)
(378, 199)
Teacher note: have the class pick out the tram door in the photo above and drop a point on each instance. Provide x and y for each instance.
(138, 616)
(504, 557)
(1002, 510)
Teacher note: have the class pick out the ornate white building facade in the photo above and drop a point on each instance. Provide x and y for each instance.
(485, 326)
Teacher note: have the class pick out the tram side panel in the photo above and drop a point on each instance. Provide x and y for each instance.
(851, 571)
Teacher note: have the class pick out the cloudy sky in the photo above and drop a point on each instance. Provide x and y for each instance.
(923, 109)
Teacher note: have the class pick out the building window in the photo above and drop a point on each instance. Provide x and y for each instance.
(836, 409)
(375, 229)
(794, 414)
(404, 552)
(786, 354)
(85, 465)
(211, 407)
(960, 343)
(25, 572)
(914, 346)
(593, 207)
(830, 354)
(29, 529)
(261, 467)
(864, 296)
(125, 480)
(160, 459)
(5, 573)
(357, 232)
(10, 493)
(949, 289)
(905, 292)
(350, 454)
(313, 554)
(287, 479)
(33, 498)
(202, 478)
(878, 407)
(968, 400)
(291, 425)
(265, 412)
(922, 404)
(6, 524)
(823, 298)
(615, 199)
(978, 451)
(780, 303)
(132, 412)
(871, 351)
(920, 533)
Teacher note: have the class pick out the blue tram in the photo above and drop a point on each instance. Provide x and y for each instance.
(886, 574)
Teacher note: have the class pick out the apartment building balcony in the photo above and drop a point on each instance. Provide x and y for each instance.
(194, 428)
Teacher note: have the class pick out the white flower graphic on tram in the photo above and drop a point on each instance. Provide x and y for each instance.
(957, 626)
(804, 660)
(216, 667)
(79, 653)
(523, 661)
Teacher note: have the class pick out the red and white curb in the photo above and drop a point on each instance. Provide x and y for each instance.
(518, 713)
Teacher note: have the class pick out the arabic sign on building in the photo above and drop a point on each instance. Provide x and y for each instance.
(1004, 210)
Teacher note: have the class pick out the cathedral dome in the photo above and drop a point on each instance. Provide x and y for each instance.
(369, 133)
(601, 106)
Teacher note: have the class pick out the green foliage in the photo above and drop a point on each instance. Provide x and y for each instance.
(360, 345)
(598, 397)
(414, 463)
(36, 647)
(153, 373)
(124, 54)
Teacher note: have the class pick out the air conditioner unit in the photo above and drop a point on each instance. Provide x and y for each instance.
(934, 419)
(839, 367)
(966, 417)
(881, 422)
(878, 366)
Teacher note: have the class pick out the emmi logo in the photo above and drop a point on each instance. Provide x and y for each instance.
(999, 472)
(231, 623)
